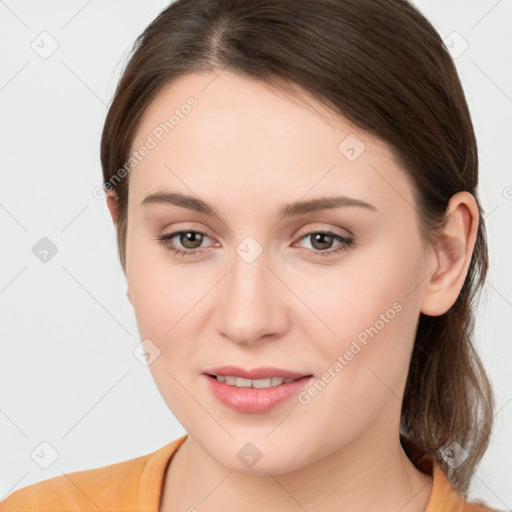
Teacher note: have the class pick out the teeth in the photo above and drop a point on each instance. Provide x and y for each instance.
(249, 383)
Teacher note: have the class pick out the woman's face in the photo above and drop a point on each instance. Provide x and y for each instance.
(267, 289)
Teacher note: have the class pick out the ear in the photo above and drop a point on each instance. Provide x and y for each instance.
(452, 250)
(113, 206)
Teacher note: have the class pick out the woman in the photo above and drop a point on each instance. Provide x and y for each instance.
(294, 188)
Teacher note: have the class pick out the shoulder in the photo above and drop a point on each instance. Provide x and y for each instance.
(115, 487)
(478, 506)
(444, 496)
(79, 490)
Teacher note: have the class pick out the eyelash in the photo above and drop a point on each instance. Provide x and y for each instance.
(164, 240)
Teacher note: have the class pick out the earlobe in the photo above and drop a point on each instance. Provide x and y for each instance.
(113, 206)
(453, 250)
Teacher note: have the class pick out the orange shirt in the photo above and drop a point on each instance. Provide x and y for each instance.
(135, 485)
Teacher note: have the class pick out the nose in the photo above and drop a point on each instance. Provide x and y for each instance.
(251, 302)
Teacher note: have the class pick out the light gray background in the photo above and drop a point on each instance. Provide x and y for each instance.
(68, 374)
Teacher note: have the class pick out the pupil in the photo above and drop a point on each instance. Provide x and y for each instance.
(189, 237)
(320, 236)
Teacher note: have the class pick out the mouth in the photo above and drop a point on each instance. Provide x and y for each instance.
(258, 395)
(262, 377)
(264, 383)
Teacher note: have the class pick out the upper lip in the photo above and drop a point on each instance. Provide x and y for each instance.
(255, 373)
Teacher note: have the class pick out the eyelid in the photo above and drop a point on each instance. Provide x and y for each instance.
(315, 229)
(175, 231)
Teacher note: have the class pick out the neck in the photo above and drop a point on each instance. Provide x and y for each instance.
(383, 479)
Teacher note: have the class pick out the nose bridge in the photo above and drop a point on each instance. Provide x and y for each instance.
(248, 282)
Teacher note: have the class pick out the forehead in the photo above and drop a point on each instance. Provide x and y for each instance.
(212, 133)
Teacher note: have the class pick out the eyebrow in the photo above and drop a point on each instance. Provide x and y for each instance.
(287, 210)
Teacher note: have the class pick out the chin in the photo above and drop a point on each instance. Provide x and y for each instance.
(274, 463)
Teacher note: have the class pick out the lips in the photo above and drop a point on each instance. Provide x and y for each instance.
(255, 373)
(254, 400)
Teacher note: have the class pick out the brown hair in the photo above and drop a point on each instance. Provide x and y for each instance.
(381, 65)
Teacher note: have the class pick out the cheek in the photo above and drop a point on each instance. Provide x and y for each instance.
(162, 292)
(365, 361)
(351, 297)
(166, 303)
(367, 313)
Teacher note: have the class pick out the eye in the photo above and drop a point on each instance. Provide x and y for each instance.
(191, 241)
(321, 239)
(188, 238)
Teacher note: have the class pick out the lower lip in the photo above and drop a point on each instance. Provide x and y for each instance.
(255, 400)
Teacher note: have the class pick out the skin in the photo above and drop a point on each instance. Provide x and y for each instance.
(246, 149)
